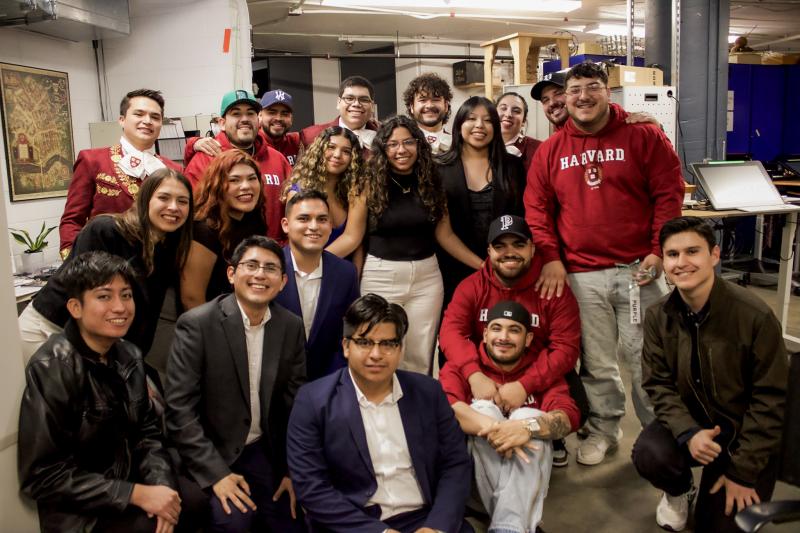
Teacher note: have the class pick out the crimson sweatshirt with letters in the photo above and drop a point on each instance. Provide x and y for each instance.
(555, 325)
(274, 169)
(554, 396)
(597, 200)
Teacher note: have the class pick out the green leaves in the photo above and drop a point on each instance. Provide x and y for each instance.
(31, 244)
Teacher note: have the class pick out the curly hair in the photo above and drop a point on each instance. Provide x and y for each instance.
(310, 171)
(211, 204)
(429, 186)
(432, 85)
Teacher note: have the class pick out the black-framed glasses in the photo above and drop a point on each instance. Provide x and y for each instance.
(251, 267)
(349, 99)
(386, 345)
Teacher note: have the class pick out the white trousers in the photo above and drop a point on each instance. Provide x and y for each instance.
(512, 491)
(34, 330)
(417, 287)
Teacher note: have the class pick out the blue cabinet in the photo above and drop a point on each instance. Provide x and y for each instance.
(763, 109)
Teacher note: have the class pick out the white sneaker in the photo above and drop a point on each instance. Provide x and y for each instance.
(673, 511)
(595, 447)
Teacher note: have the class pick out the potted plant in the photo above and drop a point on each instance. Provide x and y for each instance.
(33, 257)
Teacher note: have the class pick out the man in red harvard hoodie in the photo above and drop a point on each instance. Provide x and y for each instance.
(511, 448)
(239, 112)
(598, 193)
(510, 274)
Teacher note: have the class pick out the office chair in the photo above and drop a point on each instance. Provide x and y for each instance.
(757, 516)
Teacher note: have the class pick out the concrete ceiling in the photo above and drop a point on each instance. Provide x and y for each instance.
(313, 27)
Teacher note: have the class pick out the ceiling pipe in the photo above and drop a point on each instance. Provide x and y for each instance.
(260, 53)
(776, 41)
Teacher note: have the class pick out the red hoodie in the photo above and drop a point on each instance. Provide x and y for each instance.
(274, 167)
(556, 326)
(602, 197)
(554, 396)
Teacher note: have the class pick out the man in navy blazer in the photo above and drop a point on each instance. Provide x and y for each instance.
(373, 449)
(319, 286)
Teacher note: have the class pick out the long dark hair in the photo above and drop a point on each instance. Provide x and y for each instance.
(428, 184)
(497, 148)
(135, 225)
(211, 204)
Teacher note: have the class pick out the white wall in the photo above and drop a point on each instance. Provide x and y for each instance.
(77, 60)
(17, 515)
(325, 76)
(176, 47)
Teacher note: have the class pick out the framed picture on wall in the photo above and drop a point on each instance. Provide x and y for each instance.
(37, 125)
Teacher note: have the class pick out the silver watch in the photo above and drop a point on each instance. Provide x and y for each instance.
(532, 425)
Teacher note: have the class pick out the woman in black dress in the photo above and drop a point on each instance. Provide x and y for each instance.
(229, 208)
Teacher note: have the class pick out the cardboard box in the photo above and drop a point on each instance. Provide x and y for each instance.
(745, 58)
(590, 48)
(625, 76)
(779, 58)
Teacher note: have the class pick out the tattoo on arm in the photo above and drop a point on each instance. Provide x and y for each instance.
(554, 425)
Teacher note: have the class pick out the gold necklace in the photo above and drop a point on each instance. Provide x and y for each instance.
(405, 190)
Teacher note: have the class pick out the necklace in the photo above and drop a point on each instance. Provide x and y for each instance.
(405, 190)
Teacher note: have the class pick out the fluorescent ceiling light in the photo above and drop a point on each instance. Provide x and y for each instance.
(542, 6)
(613, 29)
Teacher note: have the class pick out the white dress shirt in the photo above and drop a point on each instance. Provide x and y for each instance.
(254, 337)
(398, 488)
(308, 285)
(364, 135)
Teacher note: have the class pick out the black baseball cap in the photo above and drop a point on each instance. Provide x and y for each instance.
(508, 224)
(510, 310)
(554, 78)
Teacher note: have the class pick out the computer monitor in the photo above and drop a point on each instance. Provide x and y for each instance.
(732, 185)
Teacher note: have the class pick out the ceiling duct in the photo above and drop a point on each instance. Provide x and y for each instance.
(73, 20)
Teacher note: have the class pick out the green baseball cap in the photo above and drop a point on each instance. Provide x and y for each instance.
(238, 97)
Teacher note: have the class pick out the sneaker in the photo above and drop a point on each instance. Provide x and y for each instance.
(560, 454)
(593, 450)
(673, 511)
(583, 432)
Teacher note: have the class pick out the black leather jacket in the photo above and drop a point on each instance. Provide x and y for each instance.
(87, 432)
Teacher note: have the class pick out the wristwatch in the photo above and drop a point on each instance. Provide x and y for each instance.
(532, 425)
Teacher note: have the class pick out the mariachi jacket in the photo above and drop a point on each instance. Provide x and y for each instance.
(743, 369)
(87, 431)
(98, 187)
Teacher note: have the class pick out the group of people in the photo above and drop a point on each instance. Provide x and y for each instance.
(315, 272)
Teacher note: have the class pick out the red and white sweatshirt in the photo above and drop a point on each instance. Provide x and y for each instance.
(595, 200)
(554, 396)
(274, 169)
(555, 324)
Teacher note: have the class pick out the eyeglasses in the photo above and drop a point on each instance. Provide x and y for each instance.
(408, 144)
(350, 99)
(592, 88)
(384, 346)
(251, 267)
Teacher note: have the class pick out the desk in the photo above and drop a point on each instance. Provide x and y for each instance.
(786, 260)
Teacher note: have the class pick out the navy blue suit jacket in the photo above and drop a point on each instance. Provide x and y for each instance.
(339, 288)
(329, 459)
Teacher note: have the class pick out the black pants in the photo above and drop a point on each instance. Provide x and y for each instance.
(660, 460)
